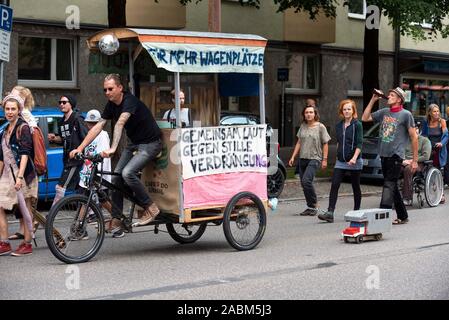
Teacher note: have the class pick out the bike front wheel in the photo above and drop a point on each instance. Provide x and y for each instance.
(81, 225)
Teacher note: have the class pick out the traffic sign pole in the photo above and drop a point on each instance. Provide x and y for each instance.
(5, 36)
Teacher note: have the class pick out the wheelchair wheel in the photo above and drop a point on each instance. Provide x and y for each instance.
(433, 190)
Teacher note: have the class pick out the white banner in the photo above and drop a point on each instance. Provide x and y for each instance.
(182, 57)
(215, 150)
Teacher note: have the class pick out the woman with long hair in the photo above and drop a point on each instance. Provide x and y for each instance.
(17, 172)
(349, 147)
(436, 130)
(28, 105)
(312, 146)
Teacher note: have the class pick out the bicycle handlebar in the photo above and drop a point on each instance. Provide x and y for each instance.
(96, 158)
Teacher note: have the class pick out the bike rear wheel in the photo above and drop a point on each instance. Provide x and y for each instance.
(81, 240)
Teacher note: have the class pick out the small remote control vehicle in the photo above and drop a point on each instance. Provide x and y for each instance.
(367, 224)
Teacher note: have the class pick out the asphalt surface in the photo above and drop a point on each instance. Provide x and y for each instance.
(298, 258)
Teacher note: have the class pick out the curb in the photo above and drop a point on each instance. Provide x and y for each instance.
(364, 194)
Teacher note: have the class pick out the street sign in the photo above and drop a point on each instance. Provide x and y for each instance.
(282, 74)
(5, 31)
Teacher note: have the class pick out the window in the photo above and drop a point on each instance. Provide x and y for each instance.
(234, 120)
(47, 62)
(304, 74)
(357, 9)
(355, 74)
(424, 24)
(52, 123)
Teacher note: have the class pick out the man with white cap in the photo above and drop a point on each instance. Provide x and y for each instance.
(396, 129)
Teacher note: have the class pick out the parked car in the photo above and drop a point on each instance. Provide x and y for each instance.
(48, 122)
(275, 181)
(372, 167)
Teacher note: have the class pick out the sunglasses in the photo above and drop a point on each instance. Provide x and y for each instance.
(63, 102)
(108, 89)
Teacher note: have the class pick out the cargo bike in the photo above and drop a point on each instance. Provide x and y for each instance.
(205, 175)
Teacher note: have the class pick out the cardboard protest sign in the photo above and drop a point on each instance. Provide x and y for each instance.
(217, 150)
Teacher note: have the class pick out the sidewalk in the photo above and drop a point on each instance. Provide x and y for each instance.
(293, 190)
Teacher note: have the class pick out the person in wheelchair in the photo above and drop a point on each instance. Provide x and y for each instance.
(424, 151)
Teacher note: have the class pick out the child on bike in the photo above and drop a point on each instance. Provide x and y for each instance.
(99, 144)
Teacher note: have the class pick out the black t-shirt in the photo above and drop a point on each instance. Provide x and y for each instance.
(72, 131)
(141, 127)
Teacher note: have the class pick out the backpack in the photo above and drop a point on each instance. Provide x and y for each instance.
(40, 151)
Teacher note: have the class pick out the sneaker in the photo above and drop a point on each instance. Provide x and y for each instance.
(443, 200)
(23, 250)
(407, 202)
(118, 234)
(77, 237)
(149, 215)
(5, 248)
(327, 216)
(308, 212)
(114, 225)
(92, 218)
(273, 204)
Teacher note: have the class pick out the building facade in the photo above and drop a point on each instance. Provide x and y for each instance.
(324, 57)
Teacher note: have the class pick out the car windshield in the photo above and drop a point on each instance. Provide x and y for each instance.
(372, 132)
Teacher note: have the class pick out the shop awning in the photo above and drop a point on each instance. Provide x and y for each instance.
(195, 52)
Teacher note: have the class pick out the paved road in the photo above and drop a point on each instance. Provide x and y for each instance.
(299, 258)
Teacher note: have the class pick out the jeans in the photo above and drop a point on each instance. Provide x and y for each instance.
(337, 178)
(391, 168)
(307, 171)
(129, 166)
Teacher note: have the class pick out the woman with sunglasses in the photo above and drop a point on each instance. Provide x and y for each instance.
(436, 130)
(71, 132)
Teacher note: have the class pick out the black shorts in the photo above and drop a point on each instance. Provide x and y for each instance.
(70, 178)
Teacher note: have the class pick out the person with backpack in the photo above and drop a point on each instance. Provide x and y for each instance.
(71, 132)
(17, 172)
(40, 155)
